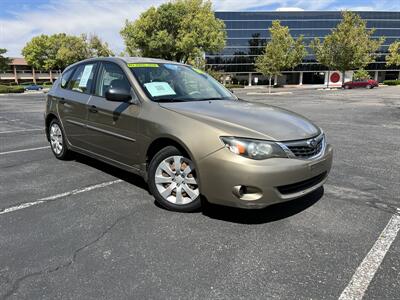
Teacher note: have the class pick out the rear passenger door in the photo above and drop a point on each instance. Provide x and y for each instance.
(112, 126)
(73, 96)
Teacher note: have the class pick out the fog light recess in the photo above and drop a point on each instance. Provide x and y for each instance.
(247, 193)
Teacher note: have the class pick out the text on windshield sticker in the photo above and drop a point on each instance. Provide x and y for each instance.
(157, 89)
(143, 65)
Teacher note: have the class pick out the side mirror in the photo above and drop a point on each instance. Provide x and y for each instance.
(118, 94)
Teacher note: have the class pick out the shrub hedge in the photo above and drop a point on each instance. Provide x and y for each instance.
(5, 89)
(391, 82)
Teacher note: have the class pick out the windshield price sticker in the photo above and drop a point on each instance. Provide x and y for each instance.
(143, 65)
(157, 89)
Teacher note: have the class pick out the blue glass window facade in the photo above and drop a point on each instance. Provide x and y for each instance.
(247, 33)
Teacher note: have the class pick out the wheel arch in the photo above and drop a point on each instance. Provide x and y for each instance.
(49, 118)
(165, 141)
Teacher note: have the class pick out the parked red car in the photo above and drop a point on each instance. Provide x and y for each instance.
(368, 83)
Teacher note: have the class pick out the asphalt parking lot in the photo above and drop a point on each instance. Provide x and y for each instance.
(81, 229)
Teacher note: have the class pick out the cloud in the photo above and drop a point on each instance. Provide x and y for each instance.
(289, 9)
(362, 8)
(314, 5)
(104, 18)
(235, 5)
(19, 23)
(381, 5)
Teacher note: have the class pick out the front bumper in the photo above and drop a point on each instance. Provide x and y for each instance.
(267, 181)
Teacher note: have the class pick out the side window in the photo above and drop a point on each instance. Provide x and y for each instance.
(110, 75)
(82, 80)
(65, 77)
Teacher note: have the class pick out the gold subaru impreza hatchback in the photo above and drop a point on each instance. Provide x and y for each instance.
(185, 133)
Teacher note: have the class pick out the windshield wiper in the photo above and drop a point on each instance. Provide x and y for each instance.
(211, 98)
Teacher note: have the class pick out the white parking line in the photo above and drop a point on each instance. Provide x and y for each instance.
(22, 130)
(54, 197)
(365, 272)
(24, 150)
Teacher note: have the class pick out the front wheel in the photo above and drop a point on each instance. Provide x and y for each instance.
(369, 86)
(172, 181)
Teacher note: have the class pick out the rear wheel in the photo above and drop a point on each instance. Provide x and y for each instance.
(172, 181)
(346, 87)
(57, 140)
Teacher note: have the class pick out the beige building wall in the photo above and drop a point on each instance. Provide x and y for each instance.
(20, 71)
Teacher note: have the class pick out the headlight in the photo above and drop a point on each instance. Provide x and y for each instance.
(254, 149)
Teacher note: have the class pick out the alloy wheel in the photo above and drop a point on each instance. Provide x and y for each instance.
(56, 138)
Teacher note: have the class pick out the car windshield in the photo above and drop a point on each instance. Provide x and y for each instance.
(176, 83)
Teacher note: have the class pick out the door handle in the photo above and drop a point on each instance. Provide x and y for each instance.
(93, 109)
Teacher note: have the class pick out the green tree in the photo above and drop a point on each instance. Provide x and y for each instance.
(361, 74)
(179, 30)
(282, 52)
(96, 47)
(200, 63)
(324, 56)
(217, 75)
(4, 61)
(349, 46)
(69, 49)
(57, 51)
(37, 52)
(393, 58)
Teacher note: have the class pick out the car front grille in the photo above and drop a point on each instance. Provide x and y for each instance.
(306, 148)
(302, 185)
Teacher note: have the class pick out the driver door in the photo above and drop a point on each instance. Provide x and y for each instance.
(112, 126)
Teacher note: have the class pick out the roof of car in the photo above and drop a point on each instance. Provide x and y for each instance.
(145, 59)
(127, 60)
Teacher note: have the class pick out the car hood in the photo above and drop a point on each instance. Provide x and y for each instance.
(246, 119)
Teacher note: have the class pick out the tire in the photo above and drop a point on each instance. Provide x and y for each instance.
(57, 140)
(369, 86)
(174, 189)
(346, 87)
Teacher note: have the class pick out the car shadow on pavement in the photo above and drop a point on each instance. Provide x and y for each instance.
(230, 214)
(111, 170)
(271, 213)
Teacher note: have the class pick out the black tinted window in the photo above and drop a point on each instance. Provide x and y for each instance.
(110, 75)
(65, 77)
(82, 80)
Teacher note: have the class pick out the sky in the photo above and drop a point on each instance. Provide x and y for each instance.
(20, 20)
